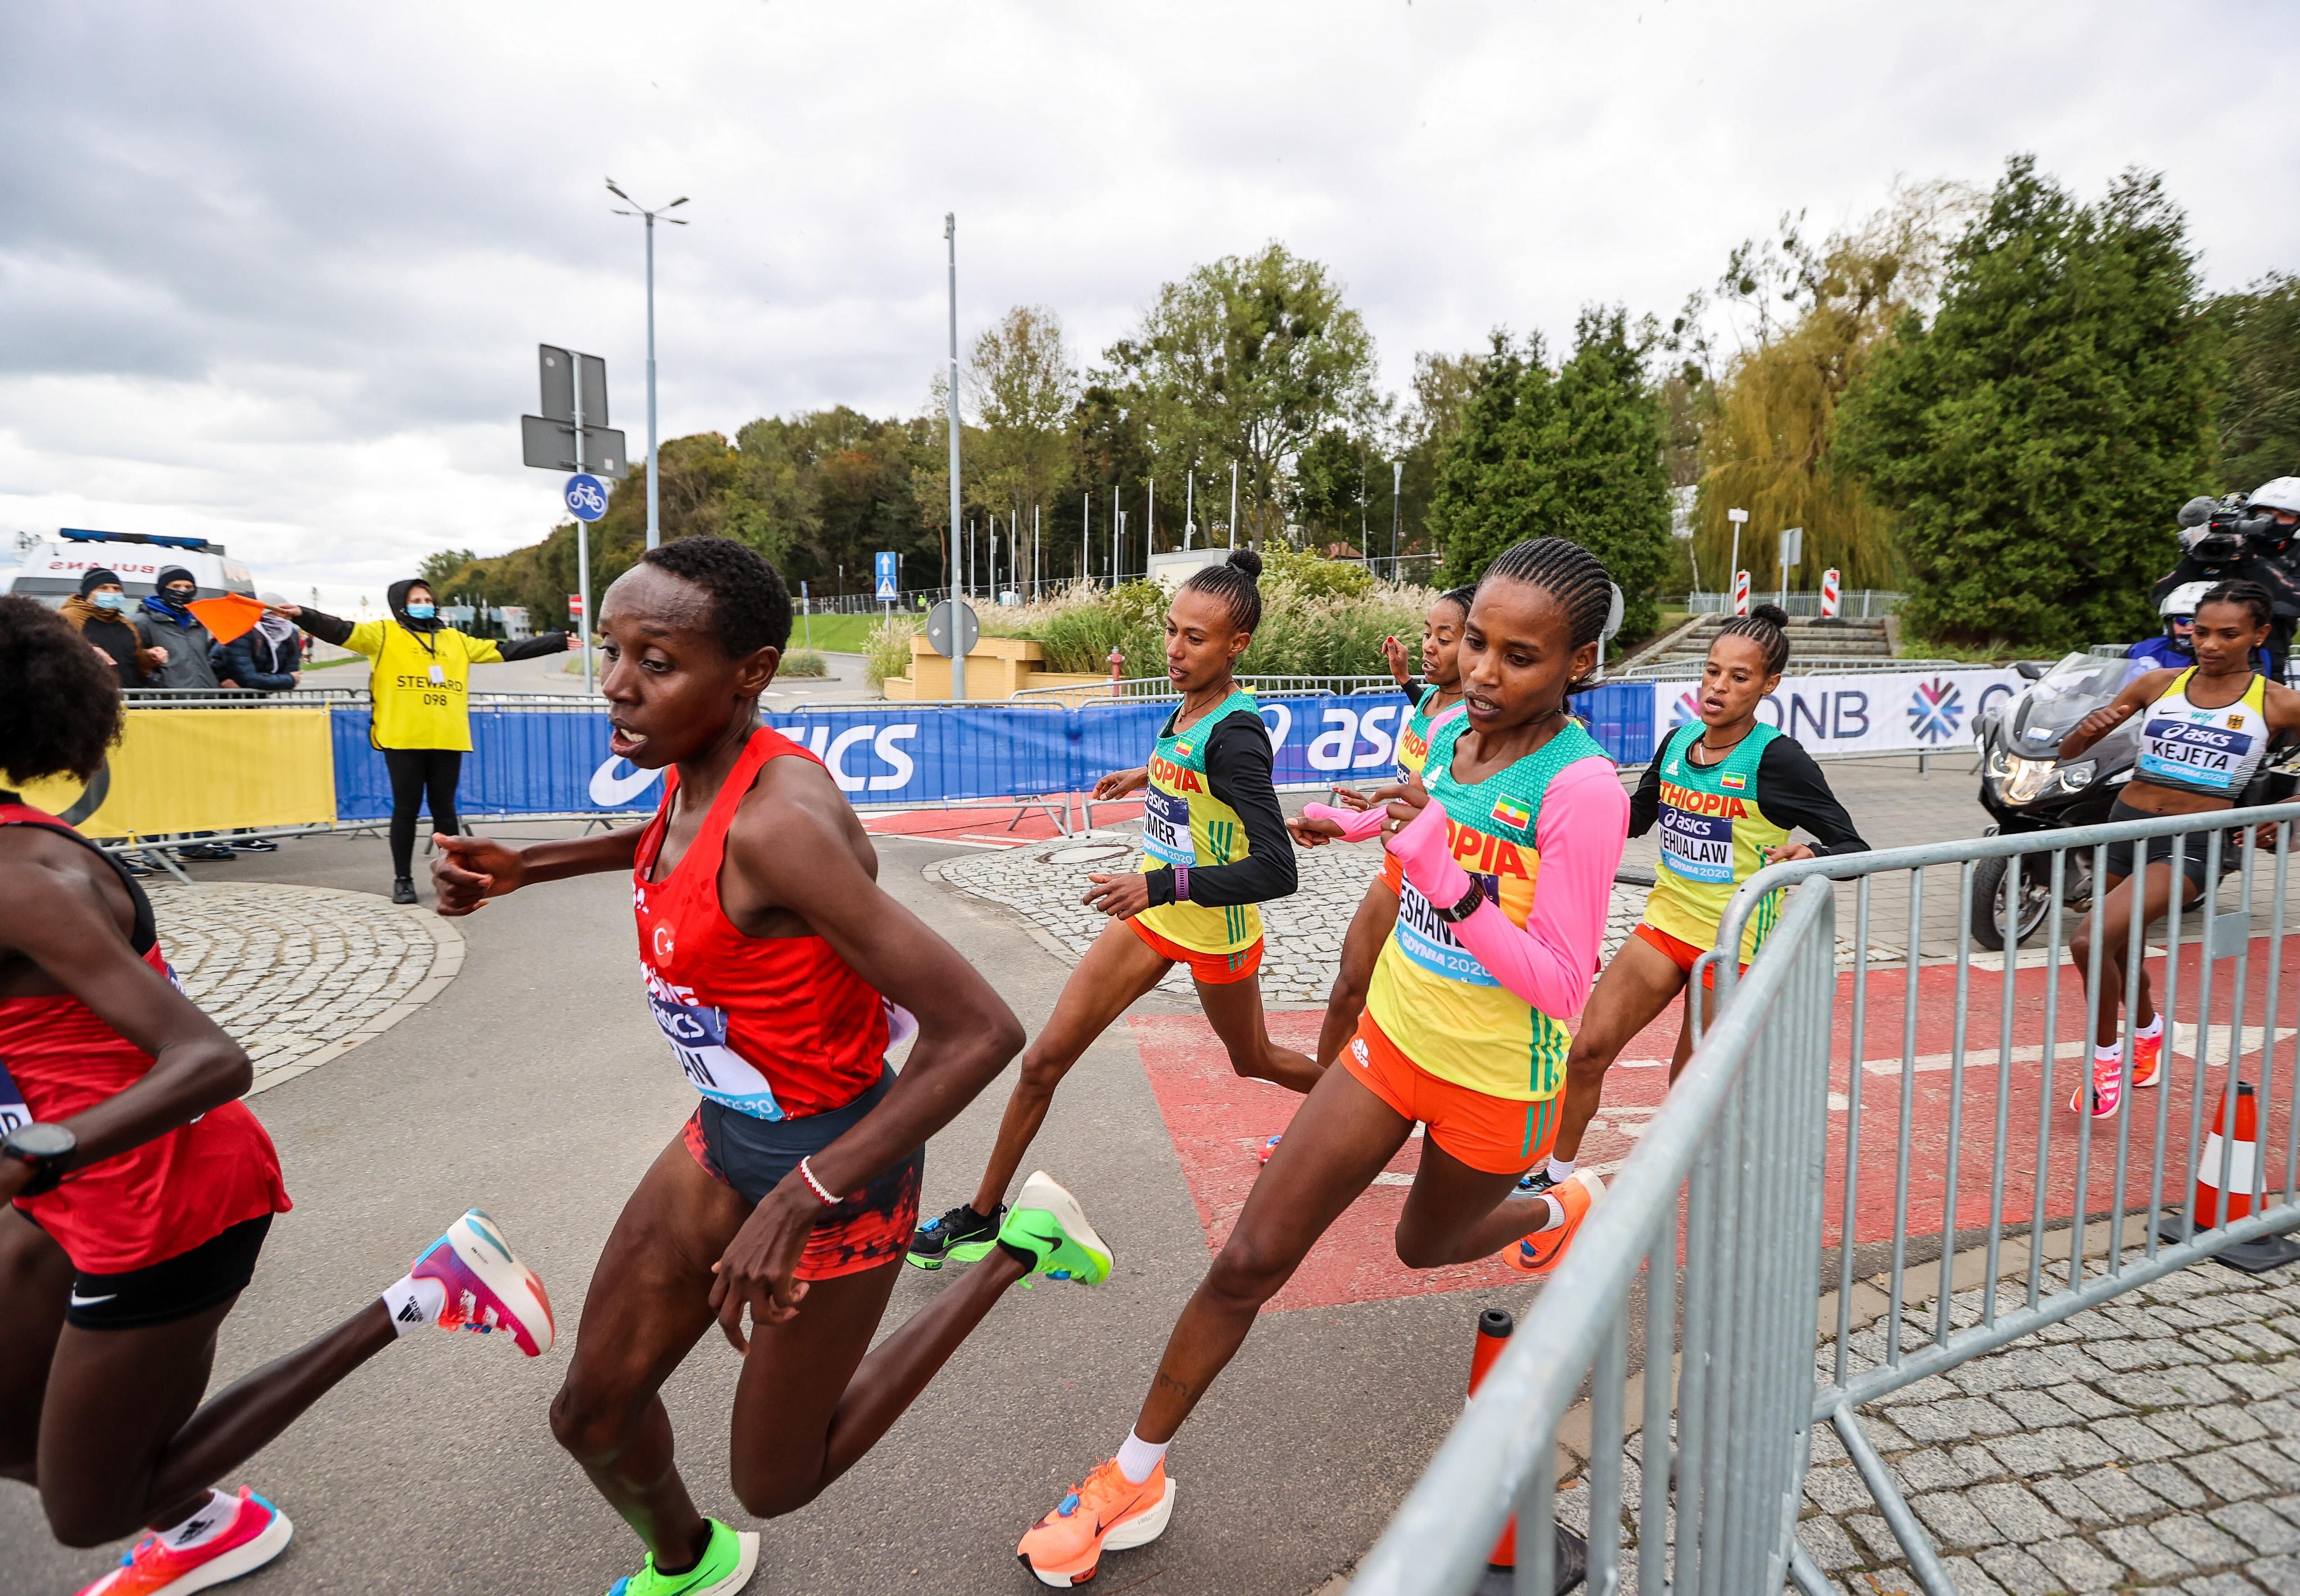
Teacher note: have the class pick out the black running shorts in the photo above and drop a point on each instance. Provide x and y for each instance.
(214, 1272)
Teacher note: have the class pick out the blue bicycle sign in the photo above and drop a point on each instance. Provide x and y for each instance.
(586, 496)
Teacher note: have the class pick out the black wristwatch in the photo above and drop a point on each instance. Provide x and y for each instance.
(1467, 906)
(47, 1148)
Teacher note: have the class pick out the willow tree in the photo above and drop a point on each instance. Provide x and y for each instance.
(1021, 384)
(1766, 435)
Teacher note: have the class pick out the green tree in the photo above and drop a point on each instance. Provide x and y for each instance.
(2034, 439)
(2259, 410)
(1574, 454)
(1247, 360)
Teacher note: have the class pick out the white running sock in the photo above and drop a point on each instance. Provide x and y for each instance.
(1138, 1459)
(2152, 1030)
(1561, 1169)
(413, 1303)
(1557, 1216)
(209, 1520)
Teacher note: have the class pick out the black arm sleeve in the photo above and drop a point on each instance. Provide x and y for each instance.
(1645, 803)
(327, 628)
(544, 642)
(1797, 794)
(1238, 773)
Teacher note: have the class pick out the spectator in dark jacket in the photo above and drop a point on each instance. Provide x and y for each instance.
(98, 612)
(177, 634)
(268, 658)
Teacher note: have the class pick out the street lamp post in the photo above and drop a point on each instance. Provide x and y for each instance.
(957, 630)
(655, 503)
(1397, 483)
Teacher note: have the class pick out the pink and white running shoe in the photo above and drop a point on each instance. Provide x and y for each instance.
(488, 1288)
(259, 1533)
(2107, 1088)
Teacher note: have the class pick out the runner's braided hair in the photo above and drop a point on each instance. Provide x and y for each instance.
(1571, 575)
(750, 606)
(1763, 626)
(1460, 597)
(62, 709)
(2251, 594)
(1236, 582)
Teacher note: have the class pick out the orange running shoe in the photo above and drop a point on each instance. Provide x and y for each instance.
(2147, 1059)
(1108, 1513)
(1540, 1252)
(259, 1533)
(2106, 1088)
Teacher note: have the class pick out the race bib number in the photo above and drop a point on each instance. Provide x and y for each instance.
(1166, 827)
(1430, 943)
(14, 1114)
(2202, 756)
(1698, 847)
(697, 1035)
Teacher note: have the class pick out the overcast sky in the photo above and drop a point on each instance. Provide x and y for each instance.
(275, 275)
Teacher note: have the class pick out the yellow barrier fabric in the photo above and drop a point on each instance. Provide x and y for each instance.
(209, 769)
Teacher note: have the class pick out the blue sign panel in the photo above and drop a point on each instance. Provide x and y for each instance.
(586, 496)
(886, 587)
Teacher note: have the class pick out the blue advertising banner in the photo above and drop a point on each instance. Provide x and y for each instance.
(543, 760)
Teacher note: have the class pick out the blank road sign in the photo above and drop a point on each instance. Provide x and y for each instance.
(603, 451)
(558, 372)
(547, 444)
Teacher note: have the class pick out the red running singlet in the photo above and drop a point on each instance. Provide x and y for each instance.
(153, 1201)
(773, 1027)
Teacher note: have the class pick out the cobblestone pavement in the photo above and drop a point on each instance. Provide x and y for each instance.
(1043, 882)
(2152, 1443)
(300, 976)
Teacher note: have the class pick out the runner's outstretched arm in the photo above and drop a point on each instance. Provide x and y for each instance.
(791, 846)
(54, 914)
(467, 871)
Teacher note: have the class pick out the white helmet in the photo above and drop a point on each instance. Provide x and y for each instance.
(2281, 493)
(2182, 600)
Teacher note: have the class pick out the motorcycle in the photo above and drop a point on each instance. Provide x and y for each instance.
(2027, 787)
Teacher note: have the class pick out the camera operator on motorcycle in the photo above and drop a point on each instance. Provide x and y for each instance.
(2233, 539)
(2206, 733)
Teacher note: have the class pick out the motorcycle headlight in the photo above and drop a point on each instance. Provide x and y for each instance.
(2000, 763)
(2028, 779)
(2078, 777)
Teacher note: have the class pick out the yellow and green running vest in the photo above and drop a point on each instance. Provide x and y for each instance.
(1430, 996)
(1183, 822)
(1714, 832)
(1413, 742)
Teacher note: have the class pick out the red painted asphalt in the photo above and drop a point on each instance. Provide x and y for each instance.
(1217, 1122)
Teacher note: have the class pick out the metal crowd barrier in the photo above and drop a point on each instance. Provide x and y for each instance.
(1966, 1207)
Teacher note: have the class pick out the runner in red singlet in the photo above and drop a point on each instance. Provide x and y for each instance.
(773, 961)
(143, 1188)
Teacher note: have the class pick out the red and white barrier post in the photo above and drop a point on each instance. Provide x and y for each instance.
(1831, 599)
(1740, 592)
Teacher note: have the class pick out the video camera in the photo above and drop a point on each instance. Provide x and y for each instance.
(2215, 532)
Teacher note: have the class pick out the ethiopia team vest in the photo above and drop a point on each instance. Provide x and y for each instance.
(1183, 822)
(1430, 996)
(1714, 832)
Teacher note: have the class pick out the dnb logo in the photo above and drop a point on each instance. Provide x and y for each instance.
(1934, 708)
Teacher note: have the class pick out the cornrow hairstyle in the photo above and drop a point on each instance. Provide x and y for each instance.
(750, 606)
(2251, 594)
(62, 709)
(1571, 575)
(1460, 597)
(1765, 626)
(1236, 582)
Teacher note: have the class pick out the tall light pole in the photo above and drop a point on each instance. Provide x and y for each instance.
(654, 502)
(957, 632)
(1397, 483)
(1233, 503)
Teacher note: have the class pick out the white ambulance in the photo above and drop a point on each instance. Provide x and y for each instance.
(49, 569)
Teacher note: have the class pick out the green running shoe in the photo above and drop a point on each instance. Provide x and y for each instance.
(959, 1236)
(727, 1566)
(1048, 1222)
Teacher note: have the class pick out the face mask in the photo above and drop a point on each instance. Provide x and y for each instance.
(420, 612)
(109, 601)
(179, 597)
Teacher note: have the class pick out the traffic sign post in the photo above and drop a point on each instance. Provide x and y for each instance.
(885, 578)
(572, 435)
(947, 618)
(1792, 554)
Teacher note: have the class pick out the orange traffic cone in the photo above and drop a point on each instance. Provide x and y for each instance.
(2212, 1205)
(1494, 1327)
